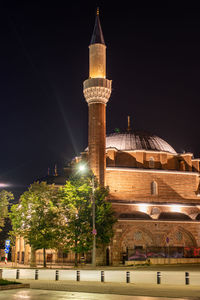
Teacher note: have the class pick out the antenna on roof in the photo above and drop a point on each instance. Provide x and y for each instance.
(129, 124)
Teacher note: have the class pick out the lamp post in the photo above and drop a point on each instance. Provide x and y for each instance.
(82, 168)
(94, 232)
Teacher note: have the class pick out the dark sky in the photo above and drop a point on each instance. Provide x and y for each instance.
(153, 58)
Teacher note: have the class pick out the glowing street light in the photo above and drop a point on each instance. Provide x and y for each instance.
(3, 185)
(83, 168)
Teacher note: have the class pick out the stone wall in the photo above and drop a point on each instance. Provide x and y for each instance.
(135, 184)
(149, 233)
(141, 159)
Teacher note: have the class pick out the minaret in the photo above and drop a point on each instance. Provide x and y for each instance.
(97, 90)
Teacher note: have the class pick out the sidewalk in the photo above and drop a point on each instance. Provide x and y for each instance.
(150, 290)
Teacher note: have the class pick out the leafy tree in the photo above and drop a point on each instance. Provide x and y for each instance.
(48, 217)
(76, 205)
(37, 218)
(105, 218)
(5, 197)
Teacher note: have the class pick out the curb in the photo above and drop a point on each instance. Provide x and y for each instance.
(14, 286)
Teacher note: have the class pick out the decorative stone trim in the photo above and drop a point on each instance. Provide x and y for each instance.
(151, 171)
(158, 221)
(97, 90)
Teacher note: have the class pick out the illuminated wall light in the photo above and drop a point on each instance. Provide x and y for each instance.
(143, 208)
(175, 208)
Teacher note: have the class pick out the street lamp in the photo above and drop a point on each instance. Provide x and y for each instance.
(94, 232)
(82, 168)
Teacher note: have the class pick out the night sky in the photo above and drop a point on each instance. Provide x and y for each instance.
(153, 58)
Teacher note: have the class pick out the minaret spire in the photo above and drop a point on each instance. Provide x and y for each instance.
(97, 36)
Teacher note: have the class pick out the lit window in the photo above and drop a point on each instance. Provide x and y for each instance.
(151, 162)
(154, 188)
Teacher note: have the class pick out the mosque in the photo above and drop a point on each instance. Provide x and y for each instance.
(154, 190)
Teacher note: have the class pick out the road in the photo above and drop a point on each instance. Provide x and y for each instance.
(28, 294)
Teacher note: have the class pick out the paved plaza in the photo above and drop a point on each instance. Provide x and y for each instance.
(54, 295)
(147, 290)
(66, 289)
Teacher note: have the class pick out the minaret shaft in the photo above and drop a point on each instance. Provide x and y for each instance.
(96, 140)
(97, 61)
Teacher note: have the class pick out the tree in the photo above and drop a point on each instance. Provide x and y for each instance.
(76, 205)
(48, 217)
(105, 218)
(37, 217)
(5, 197)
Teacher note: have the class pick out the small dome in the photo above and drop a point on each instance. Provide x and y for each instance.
(137, 141)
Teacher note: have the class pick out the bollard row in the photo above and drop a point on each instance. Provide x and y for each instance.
(128, 278)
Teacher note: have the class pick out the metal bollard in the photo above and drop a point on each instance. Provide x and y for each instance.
(158, 277)
(17, 274)
(187, 278)
(102, 276)
(36, 274)
(57, 275)
(77, 275)
(128, 277)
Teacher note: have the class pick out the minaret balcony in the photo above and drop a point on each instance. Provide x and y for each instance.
(97, 90)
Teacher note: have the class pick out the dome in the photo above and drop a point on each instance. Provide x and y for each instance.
(137, 141)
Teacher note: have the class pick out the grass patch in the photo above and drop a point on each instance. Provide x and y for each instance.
(6, 282)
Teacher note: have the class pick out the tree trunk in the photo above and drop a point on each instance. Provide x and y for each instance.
(33, 258)
(44, 258)
(76, 256)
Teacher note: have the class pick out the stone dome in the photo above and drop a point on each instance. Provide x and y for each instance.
(137, 141)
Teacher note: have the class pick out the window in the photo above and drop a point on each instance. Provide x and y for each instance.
(151, 162)
(154, 188)
(182, 165)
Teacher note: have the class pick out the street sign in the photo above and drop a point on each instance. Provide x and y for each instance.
(7, 249)
(94, 232)
(7, 243)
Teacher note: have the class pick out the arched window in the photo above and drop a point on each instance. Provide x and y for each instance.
(154, 188)
(151, 162)
(182, 165)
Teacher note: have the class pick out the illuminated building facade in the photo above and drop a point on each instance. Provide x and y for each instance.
(154, 190)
